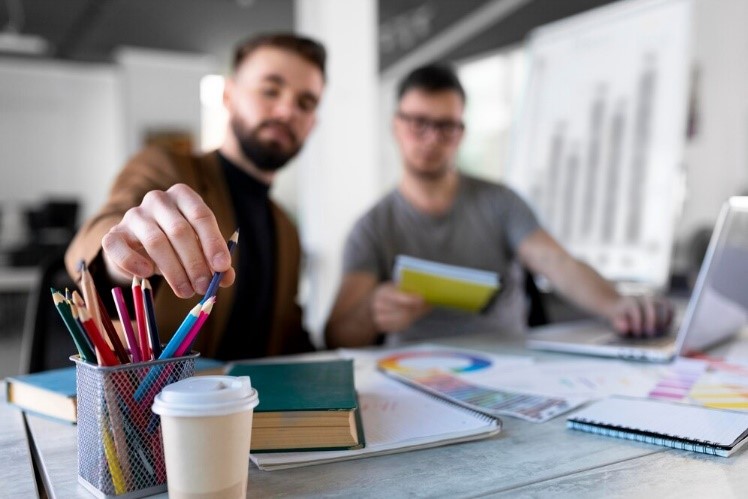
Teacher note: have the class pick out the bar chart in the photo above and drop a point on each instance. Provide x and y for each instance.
(598, 143)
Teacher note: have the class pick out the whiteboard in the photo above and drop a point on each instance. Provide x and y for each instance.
(598, 142)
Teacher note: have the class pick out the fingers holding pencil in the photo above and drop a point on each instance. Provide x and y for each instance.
(172, 233)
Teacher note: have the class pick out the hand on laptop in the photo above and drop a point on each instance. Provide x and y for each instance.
(642, 316)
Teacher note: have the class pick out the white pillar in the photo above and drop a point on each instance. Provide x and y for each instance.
(338, 168)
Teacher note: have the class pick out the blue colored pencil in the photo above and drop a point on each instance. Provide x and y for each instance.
(216, 280)
(169, 351)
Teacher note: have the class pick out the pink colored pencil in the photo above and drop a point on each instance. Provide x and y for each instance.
(192, 334)
(137, 298)
(124, 317)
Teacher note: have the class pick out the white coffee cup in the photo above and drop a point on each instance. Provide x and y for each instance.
(206, 424)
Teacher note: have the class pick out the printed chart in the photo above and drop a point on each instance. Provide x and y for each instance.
(598, 144)
(445, 373)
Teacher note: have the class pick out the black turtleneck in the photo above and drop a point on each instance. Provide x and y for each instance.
(248, 327)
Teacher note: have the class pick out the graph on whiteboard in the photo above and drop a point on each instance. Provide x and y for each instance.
(599, 139)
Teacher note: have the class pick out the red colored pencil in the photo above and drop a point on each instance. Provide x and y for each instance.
(102, 349)
(137, 298)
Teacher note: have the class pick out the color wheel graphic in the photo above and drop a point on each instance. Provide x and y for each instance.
(450, 361)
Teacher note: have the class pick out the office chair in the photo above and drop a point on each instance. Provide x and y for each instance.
(537, 314)
(46, 342)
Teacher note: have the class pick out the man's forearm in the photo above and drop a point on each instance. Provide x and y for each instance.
(353, 327)
(587, 289)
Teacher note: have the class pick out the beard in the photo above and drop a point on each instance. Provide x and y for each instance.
(268, 156)
(428, 175)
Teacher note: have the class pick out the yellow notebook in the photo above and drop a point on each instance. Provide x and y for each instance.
(445, 285)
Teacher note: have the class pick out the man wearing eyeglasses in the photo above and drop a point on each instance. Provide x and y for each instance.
(439, 213)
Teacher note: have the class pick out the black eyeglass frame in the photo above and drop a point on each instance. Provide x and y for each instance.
(420, 125)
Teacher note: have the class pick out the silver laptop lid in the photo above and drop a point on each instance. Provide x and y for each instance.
(719, 305)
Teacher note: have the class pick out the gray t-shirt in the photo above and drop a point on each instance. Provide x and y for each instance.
(482, 230)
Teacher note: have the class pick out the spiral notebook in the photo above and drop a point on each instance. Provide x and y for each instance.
(396, 418)
(681, 426)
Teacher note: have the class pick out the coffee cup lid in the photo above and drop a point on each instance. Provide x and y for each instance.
(206, 396)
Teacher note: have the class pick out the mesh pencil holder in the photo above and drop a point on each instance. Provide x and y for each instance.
(120, 452)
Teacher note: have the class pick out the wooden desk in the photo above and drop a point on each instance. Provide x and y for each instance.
(525, 459)
(16, 469)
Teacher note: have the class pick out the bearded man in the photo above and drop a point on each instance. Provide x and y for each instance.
(168, 215)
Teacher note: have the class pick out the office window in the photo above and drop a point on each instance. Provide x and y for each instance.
(493, 84)
(213, 114)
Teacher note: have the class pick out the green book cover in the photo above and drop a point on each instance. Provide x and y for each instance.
(321, 393)
(301, 386)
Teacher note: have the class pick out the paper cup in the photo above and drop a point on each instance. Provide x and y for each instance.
(206, 423)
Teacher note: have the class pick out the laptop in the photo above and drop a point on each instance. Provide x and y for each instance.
(716, 311)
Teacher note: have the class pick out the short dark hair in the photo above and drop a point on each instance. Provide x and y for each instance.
(306, 48)
(433, 77)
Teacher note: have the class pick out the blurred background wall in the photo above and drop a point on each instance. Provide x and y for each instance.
(85, 83)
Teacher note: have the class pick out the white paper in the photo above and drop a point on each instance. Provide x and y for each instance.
(395, 418)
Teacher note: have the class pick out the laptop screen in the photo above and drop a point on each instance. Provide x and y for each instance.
(719, 305)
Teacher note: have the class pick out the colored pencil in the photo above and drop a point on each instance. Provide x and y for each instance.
(115, 423)
(89, 295)
(112, 334)
(192, 334)
(77, 300)
(63, 309)
(137, 298)
(216, 280)
(118, 479)
(81, 329)
(150, 314)
(124, 317)
(105, 355)
(168, 351)
(171, 348)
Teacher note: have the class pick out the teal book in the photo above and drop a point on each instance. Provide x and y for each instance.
(304, 406)
(48, 393)
(52, 393)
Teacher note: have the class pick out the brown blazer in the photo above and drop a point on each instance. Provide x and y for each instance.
(153, 169)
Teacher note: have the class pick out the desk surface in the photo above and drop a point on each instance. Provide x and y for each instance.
(525, 459)
(16, 469)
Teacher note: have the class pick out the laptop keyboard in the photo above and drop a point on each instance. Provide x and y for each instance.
(655, 341)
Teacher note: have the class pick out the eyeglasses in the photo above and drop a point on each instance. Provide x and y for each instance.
(420, 125)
